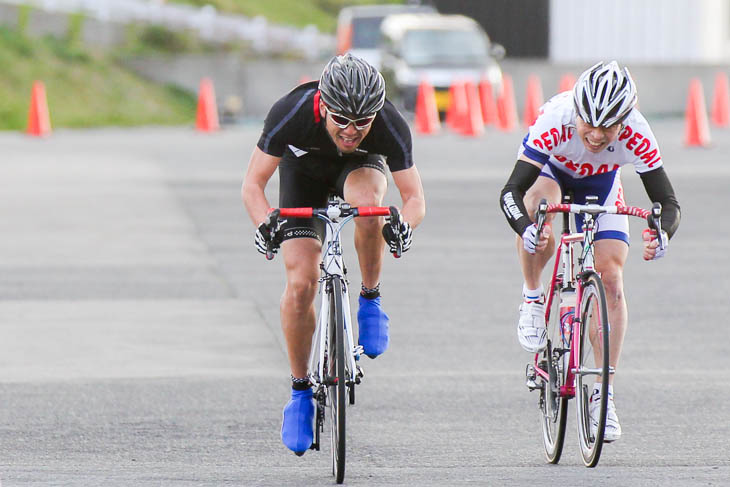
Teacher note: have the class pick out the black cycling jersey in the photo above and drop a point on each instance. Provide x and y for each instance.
(294, 127)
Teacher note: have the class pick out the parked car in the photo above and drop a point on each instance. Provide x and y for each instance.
(438, 48)
(358, 28)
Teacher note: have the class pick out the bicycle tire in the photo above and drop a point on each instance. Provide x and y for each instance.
(337, 379)
(553, 405)
(594, 332)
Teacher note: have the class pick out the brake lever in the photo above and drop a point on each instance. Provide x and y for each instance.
(540, 216)
(655, 223)
(394, 222)
(272, 222)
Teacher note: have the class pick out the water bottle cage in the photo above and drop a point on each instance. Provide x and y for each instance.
(566, 325)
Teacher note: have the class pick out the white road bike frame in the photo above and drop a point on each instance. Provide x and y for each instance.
(333, 267)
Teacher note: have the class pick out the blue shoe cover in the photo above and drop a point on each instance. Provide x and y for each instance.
(373, 324)
(297, 431)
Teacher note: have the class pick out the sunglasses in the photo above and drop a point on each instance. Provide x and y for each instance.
(343, 122)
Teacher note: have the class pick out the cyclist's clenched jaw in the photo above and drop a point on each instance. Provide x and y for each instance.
(346, 139)
(595, 139)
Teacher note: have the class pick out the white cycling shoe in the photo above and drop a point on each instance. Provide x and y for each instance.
(613, 428)
(531, 331)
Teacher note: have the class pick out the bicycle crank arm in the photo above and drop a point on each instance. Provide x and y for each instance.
(589, 371)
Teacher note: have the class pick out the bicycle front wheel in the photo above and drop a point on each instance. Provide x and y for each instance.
(553, 404)
(593, 355)
(337, 379)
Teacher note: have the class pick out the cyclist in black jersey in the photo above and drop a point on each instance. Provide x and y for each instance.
(332, 136)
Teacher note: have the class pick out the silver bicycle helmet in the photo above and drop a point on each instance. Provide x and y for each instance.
(352, 87)
(604, 94)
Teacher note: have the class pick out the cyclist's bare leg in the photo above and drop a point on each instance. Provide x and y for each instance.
(366, 187)
(610, 259)
(301, 259)
(533, 264)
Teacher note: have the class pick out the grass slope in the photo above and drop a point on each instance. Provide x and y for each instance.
(83, 89)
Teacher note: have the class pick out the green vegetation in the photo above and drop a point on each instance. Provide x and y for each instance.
(322, 13)
(89, 88)
(83, 88)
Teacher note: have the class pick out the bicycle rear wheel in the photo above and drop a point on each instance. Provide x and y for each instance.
(553, 405)
(593, 367)
(337, 379)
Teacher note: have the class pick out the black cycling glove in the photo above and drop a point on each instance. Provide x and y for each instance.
(404, 236)
(264, 237)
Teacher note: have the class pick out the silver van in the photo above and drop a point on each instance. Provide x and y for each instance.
(439, 48)
(358, 28)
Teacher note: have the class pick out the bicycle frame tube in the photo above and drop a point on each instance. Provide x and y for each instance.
(564, 261)
(332, 268)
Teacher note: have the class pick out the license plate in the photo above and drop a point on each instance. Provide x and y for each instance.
(442, 100)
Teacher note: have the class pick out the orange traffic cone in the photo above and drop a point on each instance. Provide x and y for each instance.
(39, 122)
(567, 81)
(506, 106)
(473, 124)
(304, 79)
(720, 114)
(456, 113)
(207, 116)
(533, 100)
(427, 114)
(489, 106)
(697, 132)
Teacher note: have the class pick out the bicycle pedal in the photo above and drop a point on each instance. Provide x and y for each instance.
(531, 378)
(359, 374)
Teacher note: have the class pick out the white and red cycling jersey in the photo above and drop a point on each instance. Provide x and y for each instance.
(551, 139)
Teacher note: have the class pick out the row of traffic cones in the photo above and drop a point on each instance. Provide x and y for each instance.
(469, 103)
(39, 120)
(471, 108)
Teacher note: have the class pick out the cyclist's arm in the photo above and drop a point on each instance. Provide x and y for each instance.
(658, 188)
(511, 200)
(408, 182)
(261, 167)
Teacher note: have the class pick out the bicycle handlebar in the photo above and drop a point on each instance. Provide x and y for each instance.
(273, 220)
(333, 211)
(653, 216)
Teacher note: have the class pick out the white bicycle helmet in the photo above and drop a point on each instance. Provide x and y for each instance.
(604, 95)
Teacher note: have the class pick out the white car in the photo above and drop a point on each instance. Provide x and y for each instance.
(438, 48)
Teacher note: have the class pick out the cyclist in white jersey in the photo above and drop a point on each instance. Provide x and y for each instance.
(578, 143)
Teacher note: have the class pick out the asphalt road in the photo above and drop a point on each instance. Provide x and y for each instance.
(140, 342)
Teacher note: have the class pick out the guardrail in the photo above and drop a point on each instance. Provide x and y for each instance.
(264, 37)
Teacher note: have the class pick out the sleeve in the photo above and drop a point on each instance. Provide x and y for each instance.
(511, 200)
(400, 147)
(547, 132)
(640, 144)
(659, 188)
(280, 124)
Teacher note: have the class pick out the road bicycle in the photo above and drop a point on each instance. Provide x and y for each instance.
(576, 316)
(333, 364)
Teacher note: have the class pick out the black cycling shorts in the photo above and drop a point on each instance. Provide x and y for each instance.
(309, 181)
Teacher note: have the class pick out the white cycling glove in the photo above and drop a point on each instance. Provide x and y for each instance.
(529, 238)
